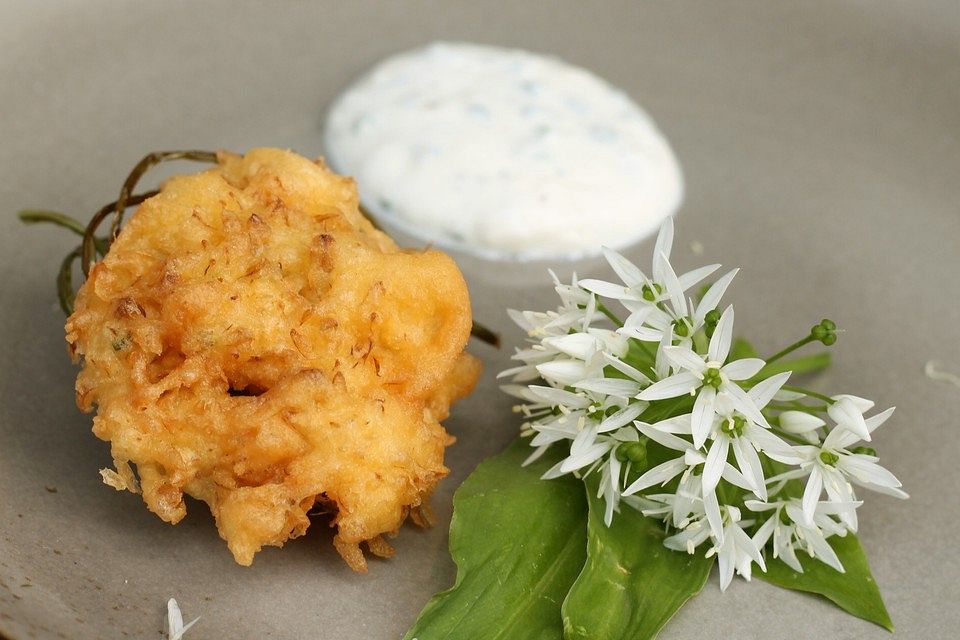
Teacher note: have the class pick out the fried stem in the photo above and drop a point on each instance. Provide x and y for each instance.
(65, 293)
(149, 161)
(88, 249)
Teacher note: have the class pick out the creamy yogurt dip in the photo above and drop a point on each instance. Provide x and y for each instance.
(503, 152)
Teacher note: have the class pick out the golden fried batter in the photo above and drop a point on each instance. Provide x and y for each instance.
(253, 341)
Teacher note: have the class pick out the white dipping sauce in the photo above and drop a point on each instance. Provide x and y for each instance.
(503, 152)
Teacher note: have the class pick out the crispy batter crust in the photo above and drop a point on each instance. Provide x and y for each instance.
(251, 340)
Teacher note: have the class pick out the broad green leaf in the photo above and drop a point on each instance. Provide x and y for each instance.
(855, 591)
(641, 355)
(799, 366)
(631, 585)
(741, 349)
(519, 543)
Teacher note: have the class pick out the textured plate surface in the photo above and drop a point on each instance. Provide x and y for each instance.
(821, 149)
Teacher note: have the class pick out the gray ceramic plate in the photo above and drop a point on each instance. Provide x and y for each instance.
(821, 145)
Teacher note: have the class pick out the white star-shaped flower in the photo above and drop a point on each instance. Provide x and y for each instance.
(847, 411)
(790, 531)
(577, 310)
(664, 433)
(650, 322)
(832, 466)
(733, 430)
(711, 377)
(736, 551)
(636, 287)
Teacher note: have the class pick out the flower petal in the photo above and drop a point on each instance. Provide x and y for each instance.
(685, 358)
(890, 491)
(584, 439)
(719, 347)
(666, 439)
(811, 494)
(846, 414)
(626, 369)
(800, 422)
(536, 455)
(712, 509)
(725, 563)
(691, 278)
(744, 404)
(661, 365)
(772, 446)
(676, 424)
(764, 391)
(671, 387)
(576, 345)
(865, 470)
(662, 248)
(581, 460)
(609, 386)
(660, 474)
(702, 417)
(565, 372)
(622, 417)
(749, 463)
(674, 288)
(746, 545)
(874, 422)
(762, 535)
(716, 460)
(553, 472)
(743, 369)
(643, 334)
(712, 297)
(734, 477)
(789, 396)
(558, 397)
(628, 272)
(862, 404)
(821, 549)
(609, 290)
(638, 316)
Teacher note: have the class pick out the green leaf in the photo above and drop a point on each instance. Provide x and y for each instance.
(855, 591)
(519, 543)
(799, 366)
(741, 349)
(631, 584)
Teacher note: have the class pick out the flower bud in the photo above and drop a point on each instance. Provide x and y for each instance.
(799, 422)
(635, 452)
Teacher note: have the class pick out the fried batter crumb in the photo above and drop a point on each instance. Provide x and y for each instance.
(251, 340)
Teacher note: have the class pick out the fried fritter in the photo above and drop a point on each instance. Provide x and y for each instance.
(251, 340)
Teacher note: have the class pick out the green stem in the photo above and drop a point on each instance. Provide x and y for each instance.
(789, 436)
(34, 216)
(796, 345)
(808, 392)
(795, 406)
(483, 334)
(613, 317)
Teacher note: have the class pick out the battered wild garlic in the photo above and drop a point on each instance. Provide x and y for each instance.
(646, 425)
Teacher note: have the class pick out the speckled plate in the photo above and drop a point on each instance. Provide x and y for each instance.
(821, 148)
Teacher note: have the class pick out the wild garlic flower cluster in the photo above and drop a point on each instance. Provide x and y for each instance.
(686, 425)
